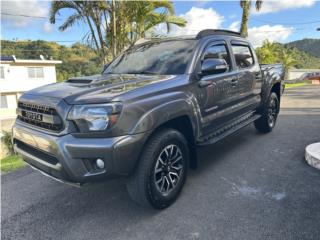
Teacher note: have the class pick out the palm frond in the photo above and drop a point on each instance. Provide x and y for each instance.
(167, 5)
(57, 6)
(71, 20)
(258, 4)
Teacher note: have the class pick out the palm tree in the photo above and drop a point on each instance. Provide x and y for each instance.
(287, 60)
(89, 12)
(114, 25)
(246, 6)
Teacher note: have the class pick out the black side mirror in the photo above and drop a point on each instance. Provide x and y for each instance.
(213, 66)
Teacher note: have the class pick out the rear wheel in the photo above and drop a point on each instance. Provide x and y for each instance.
(162, 170)
(269, 116)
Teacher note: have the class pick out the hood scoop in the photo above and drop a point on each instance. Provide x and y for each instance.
(79, 80)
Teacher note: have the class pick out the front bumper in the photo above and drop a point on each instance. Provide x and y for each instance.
(71, 159)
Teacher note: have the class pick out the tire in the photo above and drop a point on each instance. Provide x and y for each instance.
(155, 182)
(269, 116)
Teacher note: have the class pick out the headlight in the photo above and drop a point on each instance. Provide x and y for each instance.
(95, 117)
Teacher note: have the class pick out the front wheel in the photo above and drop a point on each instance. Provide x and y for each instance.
(269, 116)
(162, 170)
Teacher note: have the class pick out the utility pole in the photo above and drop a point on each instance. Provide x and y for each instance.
(114, 45)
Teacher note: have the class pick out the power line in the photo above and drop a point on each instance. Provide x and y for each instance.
(29, 41)
(267, 31)
(285, 23)
(23, 15)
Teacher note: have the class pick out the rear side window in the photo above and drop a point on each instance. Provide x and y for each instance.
(217, 51)
(243, 56)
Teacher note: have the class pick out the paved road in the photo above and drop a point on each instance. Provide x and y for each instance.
(249, 186)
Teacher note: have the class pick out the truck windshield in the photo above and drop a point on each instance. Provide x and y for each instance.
(163, 58)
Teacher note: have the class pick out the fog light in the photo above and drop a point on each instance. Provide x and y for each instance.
(100, 163)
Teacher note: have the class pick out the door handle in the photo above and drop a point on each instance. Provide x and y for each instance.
(203, 84)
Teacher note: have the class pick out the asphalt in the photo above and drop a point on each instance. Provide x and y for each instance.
(249, 186)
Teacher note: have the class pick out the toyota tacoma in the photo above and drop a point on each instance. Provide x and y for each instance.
(143, 117)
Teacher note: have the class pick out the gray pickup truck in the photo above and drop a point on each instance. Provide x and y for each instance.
(144, 116)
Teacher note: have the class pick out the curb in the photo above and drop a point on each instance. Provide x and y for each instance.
(312, 155)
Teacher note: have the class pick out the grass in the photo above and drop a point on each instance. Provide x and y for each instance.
(293, 85)
(11, 163)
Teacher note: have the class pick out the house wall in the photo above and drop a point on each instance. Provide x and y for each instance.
(16, 81)
(298, 74)
(16, 77)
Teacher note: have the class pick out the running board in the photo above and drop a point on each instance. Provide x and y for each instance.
(228, 129)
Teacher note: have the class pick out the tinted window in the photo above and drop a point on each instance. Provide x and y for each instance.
(217, 51)
(168, 57)
(243, 56)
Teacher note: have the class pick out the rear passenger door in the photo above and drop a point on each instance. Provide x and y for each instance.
(249, 75)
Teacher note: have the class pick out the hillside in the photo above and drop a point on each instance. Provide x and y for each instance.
(311, 46)
(78, 59)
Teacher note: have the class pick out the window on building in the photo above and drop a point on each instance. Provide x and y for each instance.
(243, 56)
(35, 72)
(3, 101)
(1, 72)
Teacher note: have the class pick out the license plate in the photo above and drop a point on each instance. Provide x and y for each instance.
(32, 116)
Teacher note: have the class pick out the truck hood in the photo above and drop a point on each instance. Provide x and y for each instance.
(97, 88)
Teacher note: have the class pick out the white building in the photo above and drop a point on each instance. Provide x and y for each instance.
(301, 74)
(20, 75)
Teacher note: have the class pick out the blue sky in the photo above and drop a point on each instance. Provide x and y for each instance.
(278, 20)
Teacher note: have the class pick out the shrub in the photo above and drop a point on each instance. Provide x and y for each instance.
(6, 140)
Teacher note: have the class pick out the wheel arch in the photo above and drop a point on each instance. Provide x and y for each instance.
(183, 124)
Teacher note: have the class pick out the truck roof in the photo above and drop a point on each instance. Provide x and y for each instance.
(202, 34)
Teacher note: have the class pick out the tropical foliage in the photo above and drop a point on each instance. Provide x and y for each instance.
(115, 25)
(311, 46)
(77, 59)
(246, 6)
(289, 56)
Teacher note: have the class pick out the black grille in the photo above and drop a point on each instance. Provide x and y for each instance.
(37, 153)
(41, 109)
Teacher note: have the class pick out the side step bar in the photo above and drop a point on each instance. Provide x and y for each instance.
(228, 129)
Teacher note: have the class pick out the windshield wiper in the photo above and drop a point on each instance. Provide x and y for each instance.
(141, 72)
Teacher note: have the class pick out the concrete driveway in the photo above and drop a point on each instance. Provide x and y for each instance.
(249, 186)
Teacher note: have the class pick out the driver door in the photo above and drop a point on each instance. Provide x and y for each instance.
(220, 91)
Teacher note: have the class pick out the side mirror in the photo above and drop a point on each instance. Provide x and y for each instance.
(213, 66)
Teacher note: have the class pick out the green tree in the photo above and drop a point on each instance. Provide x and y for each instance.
(267, 53)
(287, 60)
(92, 13)
(115, 25)
(246, 6)
(144, 15)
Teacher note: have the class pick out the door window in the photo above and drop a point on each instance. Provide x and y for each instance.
(243, 56)
(217, 51)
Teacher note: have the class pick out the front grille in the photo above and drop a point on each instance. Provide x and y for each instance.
(49, 118)
(37, 153)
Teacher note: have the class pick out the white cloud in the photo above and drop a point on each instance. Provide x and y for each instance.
(276, 33)
(197, 20)
(47, 27)
(235, 26)
(21, 7)
(276, 6)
